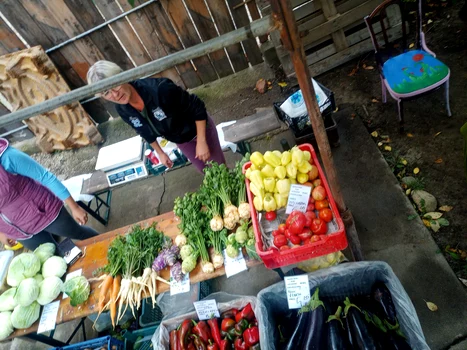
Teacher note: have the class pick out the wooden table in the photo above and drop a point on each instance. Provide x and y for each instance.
(96, 256)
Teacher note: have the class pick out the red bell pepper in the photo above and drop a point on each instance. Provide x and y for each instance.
(199, 343)
(225, 345)
(201, 329)
(191, 345)
(247, 313)
(227, 324)
(213, 346)
(229, 313)
(239, 344)
(251, 336)
(174, 340)
(238, 317)
(185, 330)
(215, 331)
(240, 327)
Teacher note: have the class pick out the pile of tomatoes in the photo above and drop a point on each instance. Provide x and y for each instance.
(305, 228)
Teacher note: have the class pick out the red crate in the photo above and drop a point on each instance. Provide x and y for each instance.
(329, 243)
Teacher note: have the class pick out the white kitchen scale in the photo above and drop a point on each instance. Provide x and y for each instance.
(122, 162)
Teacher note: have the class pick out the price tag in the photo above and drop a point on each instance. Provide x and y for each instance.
(206, 309)
(180, 287)
(298, 198)
(48, 317)
(71, 275)
(234, 265)
(298, 291)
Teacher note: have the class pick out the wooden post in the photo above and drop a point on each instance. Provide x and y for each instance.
(283, 14)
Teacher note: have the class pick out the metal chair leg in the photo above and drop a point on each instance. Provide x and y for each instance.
(383, 91)
(446, 90)
(400, 109)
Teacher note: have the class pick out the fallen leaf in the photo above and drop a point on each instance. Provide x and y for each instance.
(445, 208)
(437, 134)
(433, 215)
(385, 137)
(464, 281)
(353, 115)
(443, 222)
(269, 83)
(380, 144)
(374, 100)
(426, 223)
(439, 160)
(409, 134)
(282, 84)
(353, 72)
(388, 148)
(369, 67)
(374, 134)
(407, 192)
(364, 65)
(411, 45)
(434, 225)
(416, 171)
(431, 306)
(411, 217)
(429, 21)
(403, 161)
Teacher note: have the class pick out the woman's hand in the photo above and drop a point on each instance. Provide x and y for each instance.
(80, 215)
(7, 241)
(164, 159)
(202, 151)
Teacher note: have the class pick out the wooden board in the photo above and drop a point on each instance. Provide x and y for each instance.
(96, 256)
(148, 35)
(240, 16)
(224, 24)
(205, 25)
(8, 39)
(176, 11)
(254, 13)
(170, 40)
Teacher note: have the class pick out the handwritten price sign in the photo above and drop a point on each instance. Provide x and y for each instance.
(298, 291)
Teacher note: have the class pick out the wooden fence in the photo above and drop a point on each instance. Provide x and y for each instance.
(154, 31)
(333, 32)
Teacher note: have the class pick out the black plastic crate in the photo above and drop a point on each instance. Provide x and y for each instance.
(139, 339)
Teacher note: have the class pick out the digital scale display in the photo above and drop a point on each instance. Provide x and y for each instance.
(126, 174)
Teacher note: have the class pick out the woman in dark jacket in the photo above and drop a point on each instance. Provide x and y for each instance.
(156, 107)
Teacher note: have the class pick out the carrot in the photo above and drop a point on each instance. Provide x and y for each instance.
(103, 292)
(113, 299)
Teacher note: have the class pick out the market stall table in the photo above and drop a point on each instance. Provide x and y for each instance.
(95, 256)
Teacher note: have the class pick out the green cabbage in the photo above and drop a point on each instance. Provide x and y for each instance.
(50, 288)
(6, 329)
(7, 300)
(45, 251)
(38, 278)
(25, 316)
(22, 266)
(54, 266)
(27, 292)
(78, 289)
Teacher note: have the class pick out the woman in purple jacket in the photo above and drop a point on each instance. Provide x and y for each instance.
(31, 203)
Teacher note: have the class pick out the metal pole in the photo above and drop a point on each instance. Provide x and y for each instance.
(257, 28)
(283, 13)
(14, 130)
(82, 35)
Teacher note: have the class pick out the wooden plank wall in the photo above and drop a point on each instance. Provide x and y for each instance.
(161, 28)
(332, 31)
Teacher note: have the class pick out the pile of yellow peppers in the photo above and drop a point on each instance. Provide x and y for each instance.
(271, 174)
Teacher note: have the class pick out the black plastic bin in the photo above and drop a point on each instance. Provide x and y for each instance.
(301, 126)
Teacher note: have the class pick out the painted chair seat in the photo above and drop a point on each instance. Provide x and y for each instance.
(414, 71)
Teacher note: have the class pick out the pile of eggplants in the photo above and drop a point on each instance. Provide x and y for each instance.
(368, 322)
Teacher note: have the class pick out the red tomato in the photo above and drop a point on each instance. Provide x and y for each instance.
(309, 184)
(317, 182)
(295, 239)
(321, 204)
(296, 222)
(296, 246)
(325, 214)
(309, 215)
(275, 233)
(313, 173)
(287, 233)
(310, 207)
(282, 228)
(319, 227)
(271, 215)
(284, 247)
(307, 241)
(318, 193)
(315, 238)
(280, 240)
(311, 200)
(306, 234)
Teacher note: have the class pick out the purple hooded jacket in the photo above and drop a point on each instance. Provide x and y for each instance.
(26, 206)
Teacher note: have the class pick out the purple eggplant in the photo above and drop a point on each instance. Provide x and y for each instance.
(315, 337)
(358, 330)
(336, 339)
(299, 332)
(382, 296)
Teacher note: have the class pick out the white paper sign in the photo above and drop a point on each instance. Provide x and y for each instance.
(234, 265)
(71, 275)
(48, 317)
(206, 309)
(298, 291)
(179, 287)
(298, 198)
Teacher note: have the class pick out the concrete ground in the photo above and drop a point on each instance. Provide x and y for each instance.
(380, 210)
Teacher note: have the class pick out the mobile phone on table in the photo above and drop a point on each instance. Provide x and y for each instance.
(69, 251)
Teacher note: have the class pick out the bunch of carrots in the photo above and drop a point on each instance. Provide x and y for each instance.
(129, 276)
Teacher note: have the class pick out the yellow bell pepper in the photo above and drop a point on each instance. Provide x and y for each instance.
(258, 203)
(307, 155)
(277, 153)
(291, 170)
(269, 184)
(286, 158)
(253, 167)
(272, 159)
(268, 171)
(281, 201)
(257, 178)
(297, 156)
(258, 192)
(280, 172)
(269, 203)
(257, 159)
(302, 178)
(283, 186)
(293, 181)
(248, 173)
(304, 167)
